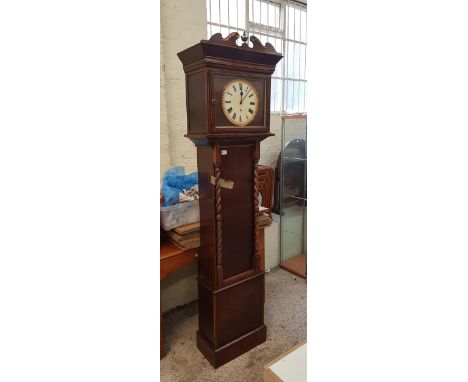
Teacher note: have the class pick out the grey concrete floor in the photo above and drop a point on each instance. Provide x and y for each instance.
(285, 318)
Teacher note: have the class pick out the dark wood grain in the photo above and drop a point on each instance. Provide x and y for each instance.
(237, 219)
(230, 270)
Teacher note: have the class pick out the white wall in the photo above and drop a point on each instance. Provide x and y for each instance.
(183, 24)
(270, 147)
(165, 156)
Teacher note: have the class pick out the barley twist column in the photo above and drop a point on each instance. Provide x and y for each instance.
(257, 258)
(219, 235)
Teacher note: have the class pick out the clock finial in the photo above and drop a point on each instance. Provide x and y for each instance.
(245, 38)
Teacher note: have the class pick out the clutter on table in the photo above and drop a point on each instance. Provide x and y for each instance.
(177, 187)
(179, 198)
(188, 236)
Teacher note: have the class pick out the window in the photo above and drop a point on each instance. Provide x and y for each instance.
(283, 24)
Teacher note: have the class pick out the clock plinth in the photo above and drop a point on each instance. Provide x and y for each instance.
(220, 77)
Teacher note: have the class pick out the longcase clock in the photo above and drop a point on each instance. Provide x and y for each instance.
(228, 115)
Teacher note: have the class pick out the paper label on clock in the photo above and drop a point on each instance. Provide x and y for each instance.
(229, 184)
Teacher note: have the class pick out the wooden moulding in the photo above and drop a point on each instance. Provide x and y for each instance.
(232, 350)
(231, 319)
(221, 48)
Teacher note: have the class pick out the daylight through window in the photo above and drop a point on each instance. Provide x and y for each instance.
(283, 24)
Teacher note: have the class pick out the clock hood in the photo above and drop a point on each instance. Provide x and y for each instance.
(218, 47)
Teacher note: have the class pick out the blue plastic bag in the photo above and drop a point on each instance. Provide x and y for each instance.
(174, 182)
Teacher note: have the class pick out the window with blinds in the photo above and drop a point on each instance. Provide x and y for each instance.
(283, 24)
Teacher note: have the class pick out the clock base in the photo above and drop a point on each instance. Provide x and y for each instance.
(224, 354)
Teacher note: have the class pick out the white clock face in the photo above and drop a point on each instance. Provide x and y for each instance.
(240, 102)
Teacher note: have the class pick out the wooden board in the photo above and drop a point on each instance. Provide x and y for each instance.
(290, 366)
(185, 229)
(296, 265)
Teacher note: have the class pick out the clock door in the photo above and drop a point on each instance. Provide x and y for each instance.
(238, 225)
(219, 121)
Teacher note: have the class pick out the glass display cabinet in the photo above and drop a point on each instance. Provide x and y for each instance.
(292, 195)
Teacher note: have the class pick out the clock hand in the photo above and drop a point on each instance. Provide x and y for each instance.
(245, 95)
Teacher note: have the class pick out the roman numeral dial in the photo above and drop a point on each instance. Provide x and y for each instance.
(240, 102)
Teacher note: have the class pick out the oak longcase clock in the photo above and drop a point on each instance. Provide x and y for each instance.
(228, 115)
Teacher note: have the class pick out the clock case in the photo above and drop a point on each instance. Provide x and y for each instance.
(231, 283)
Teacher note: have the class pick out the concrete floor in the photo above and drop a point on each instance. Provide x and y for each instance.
(285, 318)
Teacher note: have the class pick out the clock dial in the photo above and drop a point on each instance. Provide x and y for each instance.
(240, 102)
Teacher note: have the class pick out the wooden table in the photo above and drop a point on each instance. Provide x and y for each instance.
(173, 258)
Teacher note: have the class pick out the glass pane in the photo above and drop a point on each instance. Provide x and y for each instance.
(295, 53)
(293, 196)
(297, 60)
(254, 11)
(286, 58)
(278, 70)
(278, 16)
(289, 100)
(276, 94)
(302, 62)
(304, 26)
(241, 14)
(273, 15)
(264, 12)
(297, 24)
(290, 22)
(224, 11)
(301, 96)
(208, 10)
(305, 98)
(214, 12)
(295, 97)
(277, 44)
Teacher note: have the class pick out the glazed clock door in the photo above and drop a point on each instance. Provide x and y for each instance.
(232, 111)
(239, 101)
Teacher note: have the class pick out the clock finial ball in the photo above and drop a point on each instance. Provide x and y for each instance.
(244, 37)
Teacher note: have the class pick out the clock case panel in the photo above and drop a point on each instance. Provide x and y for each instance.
(219, 122)
(204, 102)
(231, 280)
